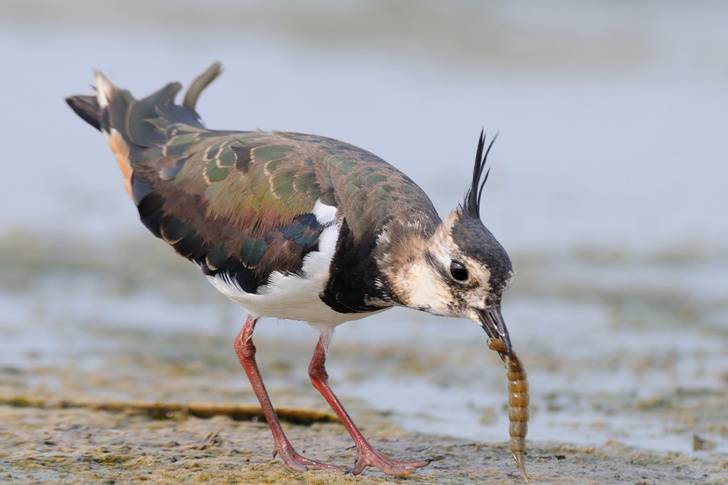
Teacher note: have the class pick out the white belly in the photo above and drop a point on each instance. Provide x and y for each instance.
(295, 297)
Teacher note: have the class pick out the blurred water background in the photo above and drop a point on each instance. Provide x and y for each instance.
(608, 188)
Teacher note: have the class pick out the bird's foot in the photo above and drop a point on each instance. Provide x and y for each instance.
(300, 463)
(368, 456)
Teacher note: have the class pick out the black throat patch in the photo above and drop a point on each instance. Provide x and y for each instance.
(353, 285)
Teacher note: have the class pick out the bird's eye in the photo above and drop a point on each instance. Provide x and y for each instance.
(458, 271)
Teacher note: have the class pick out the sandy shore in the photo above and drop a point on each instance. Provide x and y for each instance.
(44, 442)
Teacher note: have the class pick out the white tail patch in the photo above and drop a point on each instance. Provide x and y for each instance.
(104, 90)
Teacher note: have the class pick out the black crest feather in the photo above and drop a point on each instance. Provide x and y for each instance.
(471, 203)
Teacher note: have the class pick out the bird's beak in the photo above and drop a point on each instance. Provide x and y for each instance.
(492, 322)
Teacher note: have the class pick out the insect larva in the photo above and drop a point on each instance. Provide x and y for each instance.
(517, 403)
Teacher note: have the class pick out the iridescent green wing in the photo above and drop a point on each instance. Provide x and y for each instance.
(234, 202)
(241, 202)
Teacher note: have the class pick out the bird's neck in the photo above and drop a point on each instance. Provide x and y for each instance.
(365, 267)
(401, 255)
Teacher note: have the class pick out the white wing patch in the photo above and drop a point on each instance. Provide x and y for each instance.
(295, 297)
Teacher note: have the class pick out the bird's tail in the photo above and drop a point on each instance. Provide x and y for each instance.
(131, 126)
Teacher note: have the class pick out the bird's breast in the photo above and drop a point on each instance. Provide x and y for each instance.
(298, 296)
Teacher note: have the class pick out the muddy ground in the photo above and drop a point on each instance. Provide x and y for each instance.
(107, 365)
(71, 425)
(88, 446)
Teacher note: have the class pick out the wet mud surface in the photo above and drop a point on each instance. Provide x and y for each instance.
(116, 370)
(87, 446)
(66, 424)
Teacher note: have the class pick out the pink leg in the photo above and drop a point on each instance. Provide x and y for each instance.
(366, 455)
(246, 354)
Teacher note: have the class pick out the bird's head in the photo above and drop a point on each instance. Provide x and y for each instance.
(459, 270)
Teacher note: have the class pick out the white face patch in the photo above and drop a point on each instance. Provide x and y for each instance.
(294, 297)
(423, 280)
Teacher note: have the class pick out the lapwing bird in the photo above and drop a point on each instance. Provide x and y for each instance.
(300, 227)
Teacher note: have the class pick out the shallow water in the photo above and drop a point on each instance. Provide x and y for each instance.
(606, 362)
(607, 187)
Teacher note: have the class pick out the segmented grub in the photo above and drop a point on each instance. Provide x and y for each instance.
(517, 403)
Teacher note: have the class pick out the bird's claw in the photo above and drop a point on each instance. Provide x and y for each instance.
(301, 463)
(398, 468)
